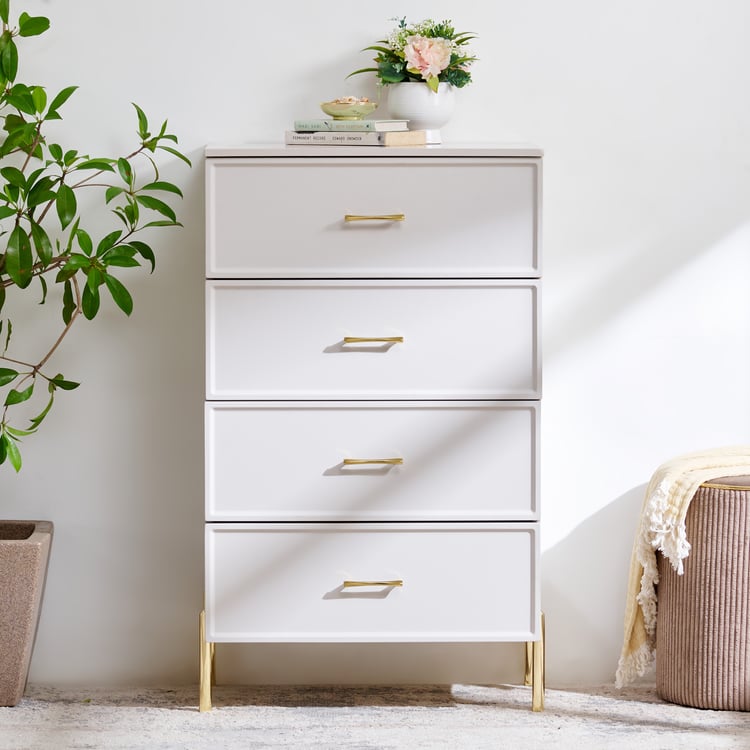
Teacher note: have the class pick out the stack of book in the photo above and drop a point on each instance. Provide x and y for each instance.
(330, 132)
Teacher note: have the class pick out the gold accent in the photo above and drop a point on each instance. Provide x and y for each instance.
(357, 584)
(207, 654)
(373, 340)
(528, 662)
(359, 461)
(538, 670)
(738, 487)
(375, 217)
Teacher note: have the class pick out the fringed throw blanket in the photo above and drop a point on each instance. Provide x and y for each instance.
(662, 528)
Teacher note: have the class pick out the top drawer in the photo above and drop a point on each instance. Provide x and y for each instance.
(285, 217)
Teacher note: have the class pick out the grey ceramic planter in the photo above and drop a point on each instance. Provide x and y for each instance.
(24, 554)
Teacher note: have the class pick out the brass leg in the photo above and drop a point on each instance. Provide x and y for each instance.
(206, 666)
(528, 661)
(213, 663)
(537, 667)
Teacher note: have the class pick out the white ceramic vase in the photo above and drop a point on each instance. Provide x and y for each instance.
(425, 109)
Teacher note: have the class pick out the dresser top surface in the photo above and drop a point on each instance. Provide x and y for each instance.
(515, 150)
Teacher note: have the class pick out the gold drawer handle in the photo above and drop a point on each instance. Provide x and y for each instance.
(375, 217)
(359, 584)
(360, 461)
(373, 340)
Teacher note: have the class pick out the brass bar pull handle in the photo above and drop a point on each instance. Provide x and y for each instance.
(360, 584)
(375, 217)
(360, 461)
(373, 339)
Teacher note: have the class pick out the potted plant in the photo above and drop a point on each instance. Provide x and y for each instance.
(421, 64)
(46, 250)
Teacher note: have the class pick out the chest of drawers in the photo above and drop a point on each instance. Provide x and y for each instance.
(373, 380)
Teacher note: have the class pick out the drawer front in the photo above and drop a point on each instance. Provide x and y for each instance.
(469, 582)
(295, 461)
(287, 340)
(282, 218)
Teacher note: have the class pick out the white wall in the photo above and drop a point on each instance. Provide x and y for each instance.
(643, 112)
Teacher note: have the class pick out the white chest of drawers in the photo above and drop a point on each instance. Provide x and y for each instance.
(373, 380)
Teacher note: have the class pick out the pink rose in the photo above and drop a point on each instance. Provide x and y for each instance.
(429, 56)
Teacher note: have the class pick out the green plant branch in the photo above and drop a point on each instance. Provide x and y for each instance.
(63, 253)
(66, 330)
(36, 368)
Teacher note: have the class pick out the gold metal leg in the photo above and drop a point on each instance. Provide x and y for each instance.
(206, 665)
(537, 671)
(528, 661)
(213, 663)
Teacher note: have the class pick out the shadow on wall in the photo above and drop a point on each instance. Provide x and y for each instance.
(584, 582)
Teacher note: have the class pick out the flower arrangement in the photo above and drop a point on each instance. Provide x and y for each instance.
(429, 51)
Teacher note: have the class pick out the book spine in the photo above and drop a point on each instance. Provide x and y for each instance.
(334, 139)
(334, 125)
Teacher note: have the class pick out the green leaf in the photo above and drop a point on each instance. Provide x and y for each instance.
(84, 241)
(66, 205)
(112, 192)
(18, 433)
(9, 60)
(103, 165)
(121, 256)
(108, 242)
(156, 205)
(119, 293)
(6, 211)
(130, 211)
(2, 302)
(126, 171)
(20, 97)
(66, 385)
(55, 151)
(41, 193)
(14, 176)
(120, 214)
(39, 97)
(58, 101)
(94, 278)
(12, 192)
(161, 223)
(37, 420)
(41, 243)
(90, 302)
(76, 262)
(11, 451)
(176, 153)
(145, 252)
(7, 336)
(43, 284)
(17, 397)
(4, 10)
(71, 236)
(164, 186)
(69, 304)
(142, 123)
(20, 133)
(18, 258)
(7, 375)
(362, 70)
(3, 451)
(32, 25)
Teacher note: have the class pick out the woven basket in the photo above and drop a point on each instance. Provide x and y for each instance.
(703, 621)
